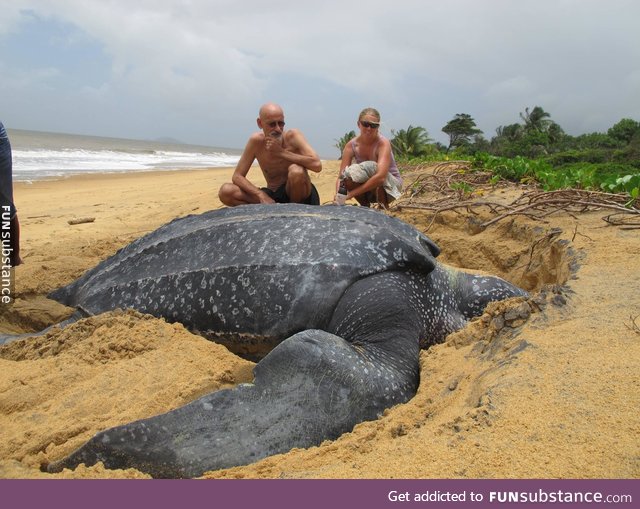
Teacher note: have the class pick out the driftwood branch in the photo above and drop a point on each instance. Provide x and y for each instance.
(81, 220)
(634, 327)
(455, 186)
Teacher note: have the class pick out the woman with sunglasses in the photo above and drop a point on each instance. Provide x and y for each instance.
(368, 169)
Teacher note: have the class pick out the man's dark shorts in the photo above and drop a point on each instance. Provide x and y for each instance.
(280, 195)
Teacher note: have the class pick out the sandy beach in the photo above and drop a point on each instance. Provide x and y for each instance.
(543, 388)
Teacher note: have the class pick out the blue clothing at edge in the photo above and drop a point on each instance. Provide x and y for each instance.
(6, 172)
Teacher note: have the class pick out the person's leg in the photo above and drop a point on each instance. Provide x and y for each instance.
(362, 199)
(314, 197)
(298, 184)
(231, 195)
(14, 235)
(6, 196)
(383, 198)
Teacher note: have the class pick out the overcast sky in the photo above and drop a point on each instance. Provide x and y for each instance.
(199, 70)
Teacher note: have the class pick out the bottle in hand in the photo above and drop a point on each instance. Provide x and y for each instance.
(341, 196)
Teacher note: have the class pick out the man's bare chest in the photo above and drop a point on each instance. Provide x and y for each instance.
(271, 162)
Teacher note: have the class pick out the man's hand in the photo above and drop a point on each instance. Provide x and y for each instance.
(265, 198)
(273, 144)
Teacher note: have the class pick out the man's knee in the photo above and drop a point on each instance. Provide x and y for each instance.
(298, 174)
(298, 181)
(350, 185)
(298, 184)
(226, 192)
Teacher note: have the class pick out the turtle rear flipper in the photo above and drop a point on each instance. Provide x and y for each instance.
(305, 391)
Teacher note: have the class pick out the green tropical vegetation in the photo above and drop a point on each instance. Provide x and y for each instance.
(341, 142)
(535, 149)
(460, 130)
(411, 142)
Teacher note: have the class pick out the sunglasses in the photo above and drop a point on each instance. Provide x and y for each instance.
(370, 125)
(274, 123)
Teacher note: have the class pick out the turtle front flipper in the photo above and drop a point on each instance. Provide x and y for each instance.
(312, 387)
(475, 291)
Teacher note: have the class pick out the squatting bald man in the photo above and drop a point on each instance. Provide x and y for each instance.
(285, 158)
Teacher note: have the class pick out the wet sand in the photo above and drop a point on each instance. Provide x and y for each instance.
(547, 388)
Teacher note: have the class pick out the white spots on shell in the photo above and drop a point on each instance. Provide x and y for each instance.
(278, 284)
(244, 281)
(399, 255)
(378, 251)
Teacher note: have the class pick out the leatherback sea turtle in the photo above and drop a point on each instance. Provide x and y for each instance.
(342, 298)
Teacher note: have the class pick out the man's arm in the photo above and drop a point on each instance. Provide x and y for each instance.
(239, 177)
(300, 152)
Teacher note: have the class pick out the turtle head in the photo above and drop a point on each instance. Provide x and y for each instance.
(476, 291)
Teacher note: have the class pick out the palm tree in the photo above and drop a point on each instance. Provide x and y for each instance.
(555, 132)
(510, 132)
(535, 120)
(340, 143)
(412, 142)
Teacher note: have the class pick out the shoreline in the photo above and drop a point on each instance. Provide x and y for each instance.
(173, 171)
(217, 176)
(98, 173)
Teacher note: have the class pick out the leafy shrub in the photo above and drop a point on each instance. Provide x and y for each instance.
(629, 154)
(579, 156)
(516, 169)
(609, 177)
(627, 184)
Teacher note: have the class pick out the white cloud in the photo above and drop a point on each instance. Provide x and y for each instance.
(421, 62)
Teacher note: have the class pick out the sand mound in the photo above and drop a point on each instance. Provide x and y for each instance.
(59, 389)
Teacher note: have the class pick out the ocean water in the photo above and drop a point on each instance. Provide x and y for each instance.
(38, 155)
